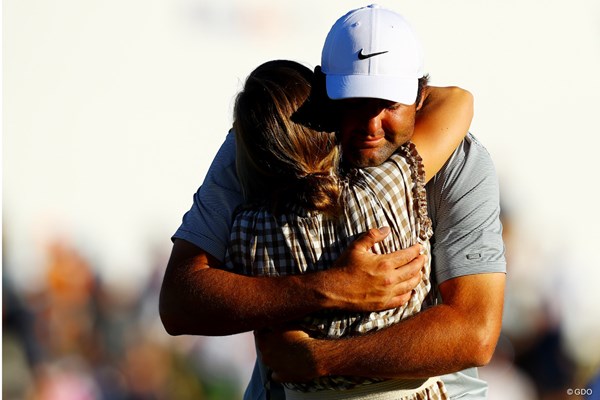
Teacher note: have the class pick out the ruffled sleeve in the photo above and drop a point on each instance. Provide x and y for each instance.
(417, 169)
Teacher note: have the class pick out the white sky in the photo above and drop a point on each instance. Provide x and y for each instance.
(113, 110)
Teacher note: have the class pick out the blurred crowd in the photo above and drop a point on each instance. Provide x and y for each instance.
(77, 338)
(533, 358)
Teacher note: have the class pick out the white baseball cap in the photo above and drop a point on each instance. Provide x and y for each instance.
(372, 52)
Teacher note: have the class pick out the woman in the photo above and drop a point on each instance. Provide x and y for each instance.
(303, 208)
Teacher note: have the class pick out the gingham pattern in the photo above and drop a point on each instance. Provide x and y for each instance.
(392, 194)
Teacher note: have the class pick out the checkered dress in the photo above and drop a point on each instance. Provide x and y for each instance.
(392, 194)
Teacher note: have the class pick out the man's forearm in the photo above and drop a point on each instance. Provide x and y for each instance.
(446, 338)
(449, 337)
(422, 346)
(199, 298)
(210, 301)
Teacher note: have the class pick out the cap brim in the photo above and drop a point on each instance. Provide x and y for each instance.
(398, 90)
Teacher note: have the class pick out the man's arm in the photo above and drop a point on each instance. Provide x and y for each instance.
(199, 298)
(460, 333)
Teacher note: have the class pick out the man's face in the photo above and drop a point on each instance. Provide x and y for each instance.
(371, 130)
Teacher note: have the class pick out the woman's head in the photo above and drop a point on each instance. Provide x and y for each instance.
(281, 162)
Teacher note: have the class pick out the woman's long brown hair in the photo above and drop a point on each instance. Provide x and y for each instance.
(282, 163)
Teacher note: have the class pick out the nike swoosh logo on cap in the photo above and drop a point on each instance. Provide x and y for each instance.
(363, 56)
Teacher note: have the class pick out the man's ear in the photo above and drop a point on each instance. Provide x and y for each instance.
(422, 97)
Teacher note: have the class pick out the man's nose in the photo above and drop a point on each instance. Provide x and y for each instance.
(372, 125)
(371, 121)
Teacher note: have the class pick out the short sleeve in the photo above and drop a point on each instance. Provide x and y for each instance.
(208, 222)
(464, 205)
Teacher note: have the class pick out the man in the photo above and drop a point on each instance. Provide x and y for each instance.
(364, 72)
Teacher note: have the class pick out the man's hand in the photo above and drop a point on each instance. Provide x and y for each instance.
(364, 281)
(286, 352)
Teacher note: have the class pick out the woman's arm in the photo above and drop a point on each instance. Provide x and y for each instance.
(442, 122)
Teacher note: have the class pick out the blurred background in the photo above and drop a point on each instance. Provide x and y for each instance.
(113, 111)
